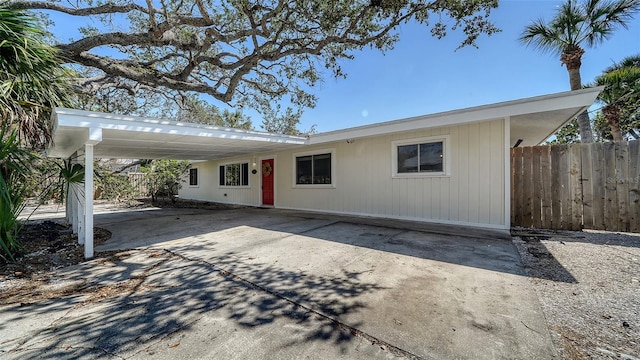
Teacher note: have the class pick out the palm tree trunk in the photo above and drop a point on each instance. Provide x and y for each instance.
(572, 59)
(584, 125)
(612, 114)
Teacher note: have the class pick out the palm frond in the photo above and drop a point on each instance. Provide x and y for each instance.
(32, 80)
(578, 24)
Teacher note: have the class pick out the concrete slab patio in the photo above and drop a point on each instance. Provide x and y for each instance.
(265, 283)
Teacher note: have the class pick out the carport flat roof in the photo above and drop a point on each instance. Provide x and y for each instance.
(118, 136)
(532, 120)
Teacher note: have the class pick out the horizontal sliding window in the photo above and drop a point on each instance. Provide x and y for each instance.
(420, 157)
(234, 174)
(313, 169)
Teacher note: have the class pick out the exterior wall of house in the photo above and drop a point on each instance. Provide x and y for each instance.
(472, 193)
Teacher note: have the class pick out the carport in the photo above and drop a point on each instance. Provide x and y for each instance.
(84, 135)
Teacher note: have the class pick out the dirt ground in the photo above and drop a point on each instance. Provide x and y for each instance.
(587, 282)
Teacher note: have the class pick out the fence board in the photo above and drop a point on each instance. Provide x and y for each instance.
(139, 183)
(622, 185)
(587, 185)
(575, 185)
(599, 181)
(565, 195)
(527, 173)
(518, 186)
(611, 199)
(536, 176)
(594, 186)
(545, 168)
(634, 186)
(556, 188)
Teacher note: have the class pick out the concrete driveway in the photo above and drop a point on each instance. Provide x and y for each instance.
(265, 283)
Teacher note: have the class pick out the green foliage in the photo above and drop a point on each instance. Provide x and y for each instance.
(14, 170)
(602, 128)
(195, 110)
(282, 124)
(70, 177)
(165, 177)
(249, 53)
(32, 80)
(580, 23)
(112, 186)
(575, 25)
(620, 99)
(568, 134)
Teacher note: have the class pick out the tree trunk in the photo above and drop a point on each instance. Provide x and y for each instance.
(572, 59)
(612, 114)
(584, 124)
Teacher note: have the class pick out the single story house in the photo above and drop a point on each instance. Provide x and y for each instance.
(450, 168)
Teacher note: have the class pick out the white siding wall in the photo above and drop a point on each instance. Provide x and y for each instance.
(473, 193)
(208, 188)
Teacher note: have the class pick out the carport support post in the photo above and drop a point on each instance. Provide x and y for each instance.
(95, 136)
(88, 201)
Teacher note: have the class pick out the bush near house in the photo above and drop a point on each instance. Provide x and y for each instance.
(165, 177)
(110, 186)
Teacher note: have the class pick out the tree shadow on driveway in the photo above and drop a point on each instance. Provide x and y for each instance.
(131, 303)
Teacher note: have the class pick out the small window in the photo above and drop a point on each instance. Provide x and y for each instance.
(193, 177)
(313, 169)
(234, 174)
(420, 157)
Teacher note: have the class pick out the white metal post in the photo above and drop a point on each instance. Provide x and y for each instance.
(88, 201)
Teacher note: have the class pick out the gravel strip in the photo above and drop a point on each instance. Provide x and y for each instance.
(588, 284)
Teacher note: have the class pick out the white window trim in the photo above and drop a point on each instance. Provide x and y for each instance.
(331, 151)
(239, 186)
(197, 177)
(446, 157)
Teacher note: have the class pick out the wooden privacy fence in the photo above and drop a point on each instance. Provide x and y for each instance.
(139, 183)
(592, 186)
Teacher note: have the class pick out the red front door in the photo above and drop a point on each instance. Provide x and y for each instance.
(267, 181)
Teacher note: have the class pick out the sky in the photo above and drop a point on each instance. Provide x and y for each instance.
(424, 75)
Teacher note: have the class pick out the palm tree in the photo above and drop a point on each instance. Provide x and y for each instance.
(576, 25)
(621, 95)
(32, 81)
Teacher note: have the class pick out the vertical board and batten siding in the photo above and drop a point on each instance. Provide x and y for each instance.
(472, 194)
(592, 186)
(208, 188)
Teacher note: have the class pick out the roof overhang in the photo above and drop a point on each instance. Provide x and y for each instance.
(532, 120)
(117, 136)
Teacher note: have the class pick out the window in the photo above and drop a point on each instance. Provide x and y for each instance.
(314, 169)
(234, 174)
(420, 157)
(193, 177)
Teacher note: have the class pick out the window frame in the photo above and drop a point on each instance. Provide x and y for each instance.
(446, 157)
(197, 184)
(237, 162)
(331, 152)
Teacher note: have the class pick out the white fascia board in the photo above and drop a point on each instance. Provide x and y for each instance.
(564, 100)
(575, 114)
(78, 118)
